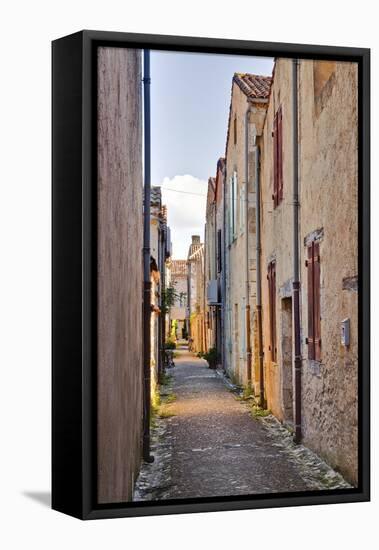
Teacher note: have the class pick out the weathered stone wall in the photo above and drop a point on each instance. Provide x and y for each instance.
(328, 209)
(277, 232)
(197, 299)
(236, 300)
(155, 238)
(119, 272)
(210, 262)
(328, 126)
(179, 282)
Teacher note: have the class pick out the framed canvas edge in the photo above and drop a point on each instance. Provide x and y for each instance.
(86, 509)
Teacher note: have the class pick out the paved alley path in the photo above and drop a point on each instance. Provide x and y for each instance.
(212, 446)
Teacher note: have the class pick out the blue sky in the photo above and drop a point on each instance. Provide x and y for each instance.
(190, 98)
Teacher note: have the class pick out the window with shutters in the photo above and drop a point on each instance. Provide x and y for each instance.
(233, 186)
(314, 319)
(242, 210)
(219, 251)
(231, 210)
(277, 196)
(271, 277)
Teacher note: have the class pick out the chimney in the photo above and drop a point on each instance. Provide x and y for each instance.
(195, 239)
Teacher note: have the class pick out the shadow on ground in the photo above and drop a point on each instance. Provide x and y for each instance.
(41, 497)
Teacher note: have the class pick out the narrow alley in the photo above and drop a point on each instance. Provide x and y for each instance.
(207, 442)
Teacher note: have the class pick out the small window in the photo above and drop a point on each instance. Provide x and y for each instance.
(271, 277)
(314, 319)
(278, 158)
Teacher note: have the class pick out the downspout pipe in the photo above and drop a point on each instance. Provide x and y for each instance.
(162, 294)
(247, 286)
(146, 263)
(296, 270)
(224, 241)
(259, 276)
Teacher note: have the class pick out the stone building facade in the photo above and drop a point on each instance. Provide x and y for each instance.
(210, 267)
(315, 392)
(119, 311)
(196, 295)
(220, 254)
(160, 251)
(249, 97)
(328, 237)
(178, 269)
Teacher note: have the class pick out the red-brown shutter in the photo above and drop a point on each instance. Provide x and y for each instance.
(311, 348)
(280, 155)
(273, 311)
(275, 151)
(314, 317)
(316, 300)
(271, 276)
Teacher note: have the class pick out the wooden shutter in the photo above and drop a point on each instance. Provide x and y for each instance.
(219, 251)
(278, 158)
(275, 146)
(231, 209)
(235, 195)
(314, 318)
(271, 276)
(311, 349)
(280, 155)
(274, 311)
(316, 300)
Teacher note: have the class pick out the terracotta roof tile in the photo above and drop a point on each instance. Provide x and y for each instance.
(253, 85)
(178, 267)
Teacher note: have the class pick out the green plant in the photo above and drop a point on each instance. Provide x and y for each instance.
(169, 296)
(167, 399)
(165, 379)
(174, 328)
(257, 412)
(170, 344)
(212, 357)
(247, 392)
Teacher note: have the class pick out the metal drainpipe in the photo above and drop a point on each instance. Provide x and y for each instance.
(259, 276)
(163, 290)
(296, 278)
(146, 263)
(248, 340)
(223, 273)
(216, 309)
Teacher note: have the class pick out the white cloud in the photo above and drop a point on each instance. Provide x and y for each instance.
(185, 198)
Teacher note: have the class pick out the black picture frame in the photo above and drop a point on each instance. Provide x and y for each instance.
(74, 273)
